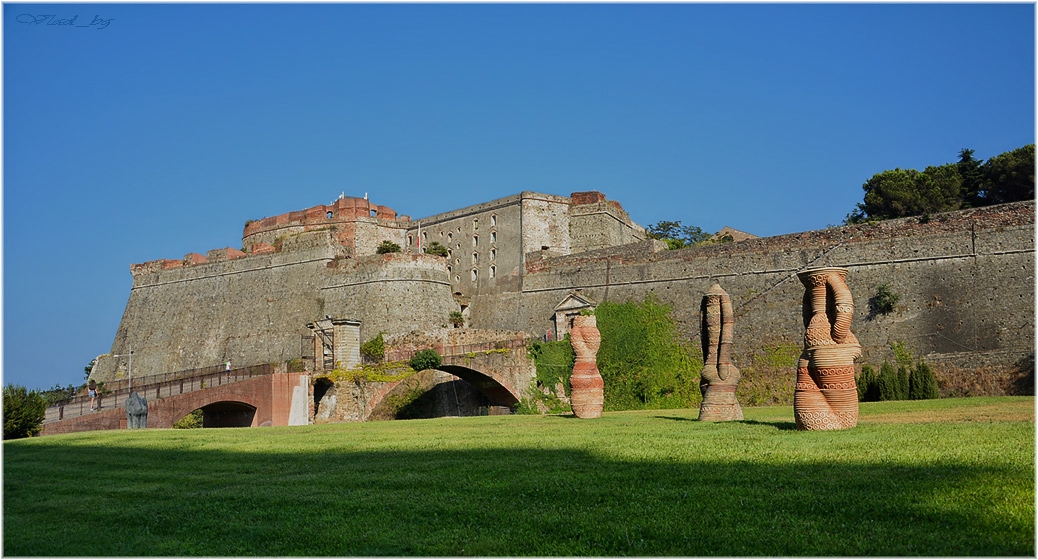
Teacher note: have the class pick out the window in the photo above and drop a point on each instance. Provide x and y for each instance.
(493, 254)
(410, 240)
(450, 237)
(449, 269)
(457, 278)
(374, 213)
(475, 223)
(475, 258)
(475, 240)
(425, 236)
(493, 219)
(493, 271)
(475, 275)
(450, 253)
(329, 214)
(493, 237)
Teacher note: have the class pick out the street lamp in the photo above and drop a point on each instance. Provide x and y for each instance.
(129, 369)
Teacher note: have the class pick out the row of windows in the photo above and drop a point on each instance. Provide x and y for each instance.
(450, 235)
(475, 274)
(450, 239)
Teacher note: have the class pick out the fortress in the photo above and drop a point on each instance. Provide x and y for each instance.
(311, 285)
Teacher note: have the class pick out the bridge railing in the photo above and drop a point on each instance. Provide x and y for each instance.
(154, 386)
(455, 350)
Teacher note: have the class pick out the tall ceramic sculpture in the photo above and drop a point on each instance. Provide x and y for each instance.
(585, 384)
(719, 377)
(825, 397)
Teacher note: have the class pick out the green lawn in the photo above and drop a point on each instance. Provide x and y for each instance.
(935, 478)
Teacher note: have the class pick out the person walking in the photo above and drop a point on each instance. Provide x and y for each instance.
(92, 392)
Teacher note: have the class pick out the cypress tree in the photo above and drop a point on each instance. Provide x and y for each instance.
(887, 382)
(923, 383)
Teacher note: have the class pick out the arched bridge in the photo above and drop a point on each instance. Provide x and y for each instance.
(501, 371)
(243, 397)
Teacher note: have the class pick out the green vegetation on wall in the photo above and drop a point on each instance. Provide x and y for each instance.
(374, 349)
(554, 363)
(425, 359)
(387, 247)
(770, 378)
(643, 361)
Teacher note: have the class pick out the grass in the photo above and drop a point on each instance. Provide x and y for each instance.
(948, 477)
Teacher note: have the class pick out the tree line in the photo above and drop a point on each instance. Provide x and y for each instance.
(967, 183)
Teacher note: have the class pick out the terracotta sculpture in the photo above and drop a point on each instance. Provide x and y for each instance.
(826, 397)
(585, 384)
(719, 378)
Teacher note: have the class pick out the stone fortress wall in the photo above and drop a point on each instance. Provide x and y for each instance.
(966, 281)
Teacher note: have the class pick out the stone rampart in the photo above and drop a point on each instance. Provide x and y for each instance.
(393, 293)
(249, 310)
(966, 281)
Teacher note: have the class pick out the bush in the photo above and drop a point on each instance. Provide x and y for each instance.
(24, 412)
(923, 383)
(296, 365)
(374, 348)
(456, 319)
(888, 383)
(884, 300)
(58, 394)
(868, 384)
(387, 247)
(191, 421)
(903, 374)
(435, 248)
(554, 363)
(643, 362)
(425, 359)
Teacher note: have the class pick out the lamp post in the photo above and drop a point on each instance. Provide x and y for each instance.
(129, 369)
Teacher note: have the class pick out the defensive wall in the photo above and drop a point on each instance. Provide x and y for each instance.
(965, 280)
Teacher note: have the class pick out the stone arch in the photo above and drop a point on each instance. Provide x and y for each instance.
(498, 392)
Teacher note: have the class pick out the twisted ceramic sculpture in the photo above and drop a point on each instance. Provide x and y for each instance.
(585, 384)
(719, 378)
(825, 397)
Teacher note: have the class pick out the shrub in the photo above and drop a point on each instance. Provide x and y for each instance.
(24, 412)
(296, 365)
(903, 374)
(868, 384)
(888, 390)
(923, 383)
(456, 319)
(191, 421)
(554, 363)
(387, 247)
(884, 300)
(425, 359)
(58, 394)
(374, 348)
(643, 362)
(435, 248)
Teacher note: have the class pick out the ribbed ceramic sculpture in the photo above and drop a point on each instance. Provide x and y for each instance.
(585, 384)
(825, 397)
(719, 378)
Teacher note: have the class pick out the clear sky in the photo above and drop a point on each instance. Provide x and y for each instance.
(150, 131)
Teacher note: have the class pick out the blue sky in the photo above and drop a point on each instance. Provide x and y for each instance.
(161, 133)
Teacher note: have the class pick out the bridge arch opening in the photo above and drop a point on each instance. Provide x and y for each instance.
(444, 392)
(228, 414)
